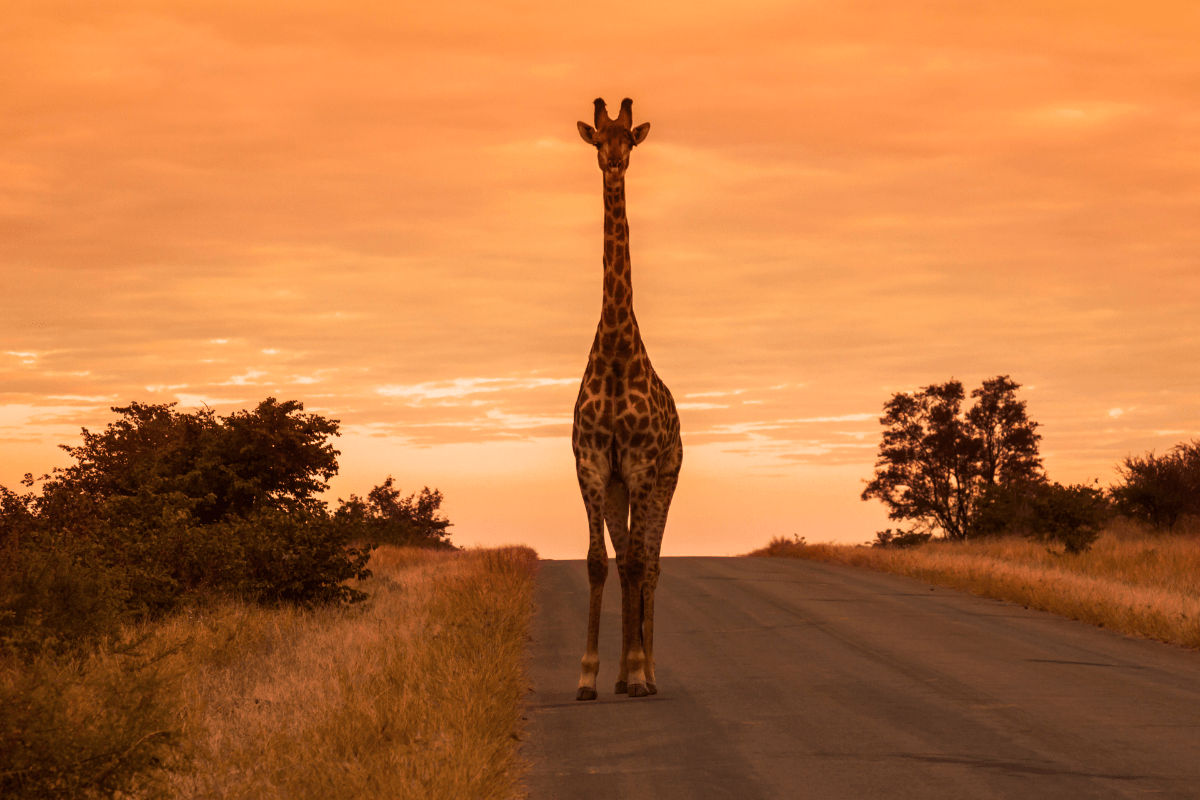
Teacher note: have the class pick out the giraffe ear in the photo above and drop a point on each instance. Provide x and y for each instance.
(587, 132)
(639, 133)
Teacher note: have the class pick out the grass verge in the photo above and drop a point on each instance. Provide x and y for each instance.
(1131, 580)
(415, 693)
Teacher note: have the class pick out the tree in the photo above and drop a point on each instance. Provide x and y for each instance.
(935, 462)
(162, 505)
(1160, 489)
(387, 518)
(272, 457)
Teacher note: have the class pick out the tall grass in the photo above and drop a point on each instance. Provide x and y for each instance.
(415, 693)
(1131, 580)
(104, 724)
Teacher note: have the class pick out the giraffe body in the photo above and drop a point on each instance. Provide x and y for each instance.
(626, 439)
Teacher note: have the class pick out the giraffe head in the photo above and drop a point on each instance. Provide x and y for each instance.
(613, 138)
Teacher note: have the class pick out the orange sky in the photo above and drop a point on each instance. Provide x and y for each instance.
(385, 211)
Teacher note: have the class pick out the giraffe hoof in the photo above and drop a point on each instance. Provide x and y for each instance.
(585, 693)
(651, 688)
(638, 690)
(622, 687)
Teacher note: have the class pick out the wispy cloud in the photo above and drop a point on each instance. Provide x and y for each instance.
(463, 387)
(388, 214)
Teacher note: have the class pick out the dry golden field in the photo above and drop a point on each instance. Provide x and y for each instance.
(1132, 580)
(416, 693)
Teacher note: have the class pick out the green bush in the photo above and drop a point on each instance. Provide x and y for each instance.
(302, 557)
(163, 508)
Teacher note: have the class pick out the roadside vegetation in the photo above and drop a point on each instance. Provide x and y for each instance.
(173, 532)
(1131, 580)
(986, 519)
(414, 692)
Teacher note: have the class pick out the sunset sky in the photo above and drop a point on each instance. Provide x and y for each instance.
(384, 210)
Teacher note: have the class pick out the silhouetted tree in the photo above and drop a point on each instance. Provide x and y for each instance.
(161, 505)
(272, 457)
(1160, 489)
(935, 462)
(387, 518)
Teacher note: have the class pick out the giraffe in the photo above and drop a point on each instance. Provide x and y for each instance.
(626, 438)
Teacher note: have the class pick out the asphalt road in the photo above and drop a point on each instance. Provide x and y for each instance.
(792, 679)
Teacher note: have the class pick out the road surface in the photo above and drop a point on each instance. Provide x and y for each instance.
(781, 678)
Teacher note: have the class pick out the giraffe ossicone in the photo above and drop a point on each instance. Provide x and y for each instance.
(626, 438)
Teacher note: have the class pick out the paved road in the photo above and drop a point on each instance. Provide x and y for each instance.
(783, 678)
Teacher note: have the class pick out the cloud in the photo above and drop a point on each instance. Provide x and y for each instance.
(386, 211)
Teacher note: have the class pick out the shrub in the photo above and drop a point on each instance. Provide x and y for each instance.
(301, 557)
(1048, 512)
(900, 539)
(1068, 515)
(1160, 489)
(56, 589)
(163, 508)
(387, 518)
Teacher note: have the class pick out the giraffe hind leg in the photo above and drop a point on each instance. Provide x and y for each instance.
(616, 518)
(634, 561)
(664, 491)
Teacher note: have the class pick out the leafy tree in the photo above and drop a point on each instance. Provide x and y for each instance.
(1160, 489)
(935, 461)
(163, 505)
(387, 518)
(271, 457)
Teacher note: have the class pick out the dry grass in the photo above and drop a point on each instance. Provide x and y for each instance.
(1131, 580)
(416, 694)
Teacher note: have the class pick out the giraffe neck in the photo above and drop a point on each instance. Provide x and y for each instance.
(618, 328)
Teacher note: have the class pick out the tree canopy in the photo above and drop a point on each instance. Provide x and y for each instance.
(275, 456)
(385, 517)
(1160, 489)
(164, 507)
(936, 461)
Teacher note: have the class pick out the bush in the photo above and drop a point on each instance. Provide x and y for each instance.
(1160, 489)
(301, 557)
(900, 539)
(1068, 515)
(387, 518)
(56, 589)
(1048, 512)
(163, 508)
